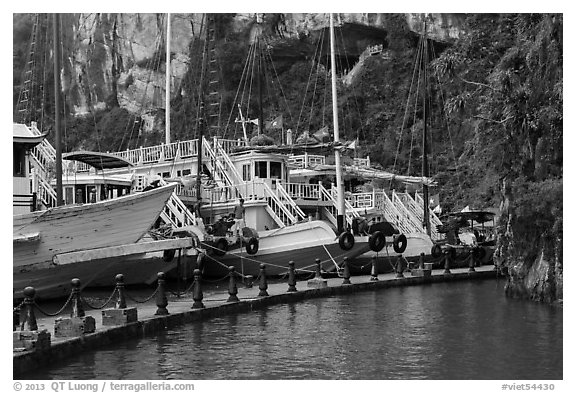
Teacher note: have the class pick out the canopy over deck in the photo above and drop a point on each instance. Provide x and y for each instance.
(98, 160)
(479, 216)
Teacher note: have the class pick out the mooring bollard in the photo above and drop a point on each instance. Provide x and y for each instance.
(400, 266)
(28, 321)
(161, 299)
(79, 323)
(291, 277)
(346, 274)
(374, 272)
(447, 256)
(77, 309)
(263, 281)
(472, 261)
(318, 275)
(232, 288)
(421, 261)
(29, 337)
(197, 294)
(121, 299)
(121, 314)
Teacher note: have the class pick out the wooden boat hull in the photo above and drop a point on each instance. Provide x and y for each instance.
(72, 228)
(301, 243)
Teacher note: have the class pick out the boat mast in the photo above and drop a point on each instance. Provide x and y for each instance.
(340, 194)
(58, 134)
(260, 111)
(201, 123)
(168, 62)
(425, 169)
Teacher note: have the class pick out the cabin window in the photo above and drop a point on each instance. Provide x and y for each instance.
(246, 172)
(178, 173)
(186, 172)
(166, 174)
(275, 170)
(261, 169)
(19, 162)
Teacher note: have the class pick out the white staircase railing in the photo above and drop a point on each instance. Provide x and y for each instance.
(350, 213)
(383, 203)
(410, 220)
(216, 166)
(176, 213)
(228, 165)
(46, 194)
(288, 202)
(434, 220)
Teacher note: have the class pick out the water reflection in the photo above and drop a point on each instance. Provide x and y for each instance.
(466, 330)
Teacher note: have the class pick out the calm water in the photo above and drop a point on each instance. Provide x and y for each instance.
(465, 330)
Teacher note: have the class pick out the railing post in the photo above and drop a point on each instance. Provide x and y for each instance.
(400, 266)
(346, 274)
(263, 281)
(447, 257)
(421, 261)
(161, 299)
(291, 277)
(318, 275)
(77, 309)
(472, 262)
(374, 272)
(232, 288)
(121, 299)
(197, 294)
(28, 321)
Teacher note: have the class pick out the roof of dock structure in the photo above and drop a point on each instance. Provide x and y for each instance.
(98, 160)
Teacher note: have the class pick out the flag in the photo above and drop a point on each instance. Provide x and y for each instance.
(277, 123)
(254, 121)
(352, 145)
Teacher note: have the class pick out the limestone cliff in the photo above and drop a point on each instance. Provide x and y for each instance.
(114, 56)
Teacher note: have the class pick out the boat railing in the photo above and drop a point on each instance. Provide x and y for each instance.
(228, 145)
(302, 191)
(418, 202)
(289, 202)
(281, 211)
(153, 154)
(46, 193)
(383, 203)
(217, 166)
(175, 211)
(361, 200)
(406, 215)
(229, 166)
(362, 162)
(306, 160)
(330, 196)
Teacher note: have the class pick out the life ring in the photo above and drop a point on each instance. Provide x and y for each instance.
(377, 241)
(346, 241)
(221, 247)
(400, 243)
(436, 251)
(252, 246)
(168, 255)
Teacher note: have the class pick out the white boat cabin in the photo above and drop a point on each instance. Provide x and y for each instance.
(24, 197)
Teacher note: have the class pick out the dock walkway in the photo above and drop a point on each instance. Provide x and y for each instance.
(215, 302)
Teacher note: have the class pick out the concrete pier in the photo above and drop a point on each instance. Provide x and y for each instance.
(216, 304)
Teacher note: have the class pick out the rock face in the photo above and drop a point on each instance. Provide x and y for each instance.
(533, 260)
(120, 58)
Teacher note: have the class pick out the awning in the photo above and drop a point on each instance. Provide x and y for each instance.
(98, 160)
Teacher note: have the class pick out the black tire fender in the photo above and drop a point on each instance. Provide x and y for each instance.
(400, 243)
(252, 246)
(377, 241)
(436, 251)
(346, 241)
(221, 247)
